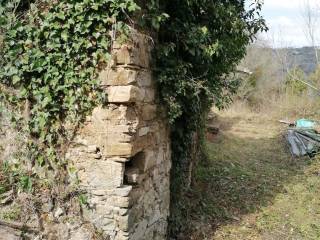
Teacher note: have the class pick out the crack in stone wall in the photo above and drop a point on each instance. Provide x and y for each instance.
(122, 153)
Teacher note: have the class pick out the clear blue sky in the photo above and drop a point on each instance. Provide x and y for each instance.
(284, 18)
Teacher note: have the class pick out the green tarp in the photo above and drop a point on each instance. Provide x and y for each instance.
(303, 139)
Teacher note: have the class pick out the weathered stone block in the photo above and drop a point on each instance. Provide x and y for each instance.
(143, 131)
(111, 137)
(125, 76)
(124, 94)
(108, 225)
(103, 210)
(121, 237)
(123, 211)
(80, 234)
(101, 174)
(119, 149)
(123, 191)
(92, 149)
(123, 223)
(143, 142)
(148, 112)
(136, 53)
(149, 95)
(144, 78)
(118, 77)
(116, 201)
(114, 112)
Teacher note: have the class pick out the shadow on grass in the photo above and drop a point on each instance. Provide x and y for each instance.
(239, 176)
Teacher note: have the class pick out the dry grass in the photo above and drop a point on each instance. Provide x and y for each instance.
(271, 107)
(297, 106)
(250, 187)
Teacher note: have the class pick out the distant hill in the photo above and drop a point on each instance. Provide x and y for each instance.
(303, 58)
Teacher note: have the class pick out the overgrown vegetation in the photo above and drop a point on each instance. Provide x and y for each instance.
(51, 55)
(51, 59)
(199, 45)
(277, 85)
(250, 187)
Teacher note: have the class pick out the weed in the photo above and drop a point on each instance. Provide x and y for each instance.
(25, 183)
(83, 199)
(12, 214)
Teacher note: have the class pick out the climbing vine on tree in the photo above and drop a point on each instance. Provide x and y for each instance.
(200, 43)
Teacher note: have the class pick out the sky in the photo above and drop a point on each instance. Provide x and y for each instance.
(286, 22)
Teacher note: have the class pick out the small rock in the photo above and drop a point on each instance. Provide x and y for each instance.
(59, 212)
(131, 175)
(97, 156)
(92, 149)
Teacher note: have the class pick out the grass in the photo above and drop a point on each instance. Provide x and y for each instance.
(11, 214)
(251, 188)
(296, 214)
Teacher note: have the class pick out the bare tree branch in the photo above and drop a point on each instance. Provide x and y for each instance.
(310, 15)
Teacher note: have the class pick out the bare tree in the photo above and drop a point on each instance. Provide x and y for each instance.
(310, 15)
(281, 52)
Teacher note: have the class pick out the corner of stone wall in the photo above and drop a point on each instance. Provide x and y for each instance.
(122, 152)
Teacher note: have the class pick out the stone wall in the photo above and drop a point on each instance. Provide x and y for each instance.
(122, 153)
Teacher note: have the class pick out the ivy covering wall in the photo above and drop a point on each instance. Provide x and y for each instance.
(52, 51)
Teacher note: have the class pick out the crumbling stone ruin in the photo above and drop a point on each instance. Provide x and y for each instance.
(123, 151)
(122, 159)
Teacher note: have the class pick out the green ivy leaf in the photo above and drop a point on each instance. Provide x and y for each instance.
(64, 35)
(15, 79)
(61, 15)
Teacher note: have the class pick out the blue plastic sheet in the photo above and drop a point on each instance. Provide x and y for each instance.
(305, 123)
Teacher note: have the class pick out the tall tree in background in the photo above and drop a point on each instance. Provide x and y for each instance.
(310, 14)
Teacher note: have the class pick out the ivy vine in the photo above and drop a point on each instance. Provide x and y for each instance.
(51, 57)
(197, 48)
(52, 54)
